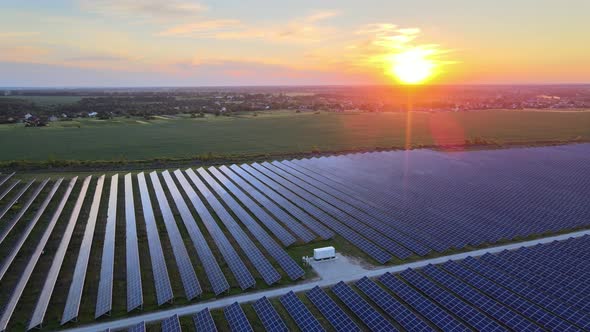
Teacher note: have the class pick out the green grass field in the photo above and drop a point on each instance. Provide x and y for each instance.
(280, 132)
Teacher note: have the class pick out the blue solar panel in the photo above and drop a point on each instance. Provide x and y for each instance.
(268, 316)
(300, 314)
(270, 245)
(304, 202)
(508, 298)
(171, 324)
(363, 310)
(212, 269)
(491, 307)
(451, 303)
(236, 318)
(421, 304)
(204, 322)
(390, 305)
(283, 235)
(239, 270)
(137, 328)
(329, 309)
(262, 265)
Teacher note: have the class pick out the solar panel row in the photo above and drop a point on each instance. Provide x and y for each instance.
(104, 298)
(212, 269)
(283, 235)
(239, 270)
(329, 309)
(171, 324)
(75, 293)
(5, 178)
(8, 226)
(291, 223)
(52, 274)
(265, 269)
(268, 316)
(18, 289)
(204, 322)
(272, 248)
(15, 199)
(133, 269)
(236, 318)
(191, 285)
(159, 269)
(303, 199)
(9, 189)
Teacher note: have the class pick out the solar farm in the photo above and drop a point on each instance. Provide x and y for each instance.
(96, 249)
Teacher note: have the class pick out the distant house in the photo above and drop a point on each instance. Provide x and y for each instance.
(92, 114)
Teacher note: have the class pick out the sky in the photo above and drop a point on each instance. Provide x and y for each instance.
(61, 43)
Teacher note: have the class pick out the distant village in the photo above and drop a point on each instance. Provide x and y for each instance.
(20, 106)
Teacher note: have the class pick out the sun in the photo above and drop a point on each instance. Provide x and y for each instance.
(413, 66)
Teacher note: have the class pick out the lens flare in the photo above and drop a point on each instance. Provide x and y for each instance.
(413, 66)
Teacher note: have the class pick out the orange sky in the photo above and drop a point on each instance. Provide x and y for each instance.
(182, 42)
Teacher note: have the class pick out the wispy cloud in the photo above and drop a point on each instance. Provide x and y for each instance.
(309, 28)
(18, 34)
(141, 9)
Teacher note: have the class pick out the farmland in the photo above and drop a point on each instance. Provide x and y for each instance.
(283, 132)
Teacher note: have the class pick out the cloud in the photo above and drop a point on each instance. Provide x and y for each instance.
(304, 29)
(18, 53)
(203, 28)
(18, 34)
(152, 9)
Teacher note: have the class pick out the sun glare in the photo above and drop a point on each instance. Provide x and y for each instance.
(413, 66)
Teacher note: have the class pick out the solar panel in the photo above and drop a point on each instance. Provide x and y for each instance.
(159, 270)
(104, 298)
(171, 324)
(372, 214)
(270, 245)
(15, 199)
(491, 307)
(329, 309)
(508, 298)
(285, 237)
(239, 270)
(9, 189)
(192, 288)
(23, 236)
(4, 179)
(47, 290)
(270, 190)
(297, 228)
(421, 304)
(300, 314)
(528, 292)
(204, 322)
(134, 292)
(212, 269)
(8, 226)
(268, 316)
(18, 289)
(459, 308)
(236, 318)
(391, 306)
(140, 327)
(366, 225)
(262, 265)
(303, 199)
(363, 310)
(76, 287)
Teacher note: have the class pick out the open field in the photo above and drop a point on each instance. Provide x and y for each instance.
(280, 132)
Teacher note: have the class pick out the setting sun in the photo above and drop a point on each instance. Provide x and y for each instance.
(413, 66)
